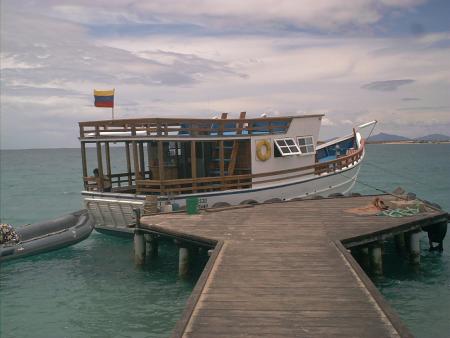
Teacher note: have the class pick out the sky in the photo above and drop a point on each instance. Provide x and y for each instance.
(353, 60)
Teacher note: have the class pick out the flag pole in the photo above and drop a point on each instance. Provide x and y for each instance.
(112, 108)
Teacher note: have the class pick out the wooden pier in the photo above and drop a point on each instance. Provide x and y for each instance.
(285, 270)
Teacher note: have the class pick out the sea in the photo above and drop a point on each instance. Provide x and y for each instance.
(93, 288)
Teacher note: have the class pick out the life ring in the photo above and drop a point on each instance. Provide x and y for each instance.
(267, 153)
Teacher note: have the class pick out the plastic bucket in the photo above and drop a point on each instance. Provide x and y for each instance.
(192, 205)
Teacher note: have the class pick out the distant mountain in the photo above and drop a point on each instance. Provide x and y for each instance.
(383, 137)
(433, 138)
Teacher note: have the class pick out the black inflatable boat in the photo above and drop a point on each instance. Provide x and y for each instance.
(49, 235)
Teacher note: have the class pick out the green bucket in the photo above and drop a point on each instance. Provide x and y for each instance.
(192, 205)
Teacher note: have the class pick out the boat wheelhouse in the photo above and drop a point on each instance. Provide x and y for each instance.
(221, 161)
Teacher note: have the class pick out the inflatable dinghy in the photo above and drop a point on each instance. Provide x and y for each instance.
(48, 235)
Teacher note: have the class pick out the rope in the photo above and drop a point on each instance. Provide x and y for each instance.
(389, 193)
(400, 212)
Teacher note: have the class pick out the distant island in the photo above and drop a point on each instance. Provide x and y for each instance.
(390, 138)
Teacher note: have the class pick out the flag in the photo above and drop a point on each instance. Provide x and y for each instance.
(104, 98)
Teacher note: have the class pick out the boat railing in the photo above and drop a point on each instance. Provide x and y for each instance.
(208, 184)
(118, 181)
(182, 127)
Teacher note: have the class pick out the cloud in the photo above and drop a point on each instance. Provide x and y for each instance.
(273, 65)
(327, 15)
(386, 86)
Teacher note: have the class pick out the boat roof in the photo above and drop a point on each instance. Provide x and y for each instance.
(198, 128)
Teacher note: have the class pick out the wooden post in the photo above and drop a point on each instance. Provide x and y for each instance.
(141, 160)
(414, 247)
(149, 159)
(100, 165)
(136, 161)
(83, 159)
(127, 152)
(183, 261)
(376, 260)
(193, 166)
(161, 166)
(221, 158)
(108, 160)
(135, 155)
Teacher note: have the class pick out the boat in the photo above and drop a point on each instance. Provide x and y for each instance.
(48, 235)
(166, 162)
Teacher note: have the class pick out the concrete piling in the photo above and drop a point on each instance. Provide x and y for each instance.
(139, 247)
(183, 261)
(139, 240)
(376, 260)
(414, 247)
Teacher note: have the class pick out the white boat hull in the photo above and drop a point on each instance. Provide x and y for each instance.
(113, 210)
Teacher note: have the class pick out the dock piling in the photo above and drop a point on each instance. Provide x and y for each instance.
(414, 247)
(376, 260)
(183, 261)
(139, 247)
(139, 240)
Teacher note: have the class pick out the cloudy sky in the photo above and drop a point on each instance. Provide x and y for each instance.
(354, 60)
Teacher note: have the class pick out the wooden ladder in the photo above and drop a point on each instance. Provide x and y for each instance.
(234, 151)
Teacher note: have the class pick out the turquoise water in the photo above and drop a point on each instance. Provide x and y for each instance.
(93, 289)
(420, 296)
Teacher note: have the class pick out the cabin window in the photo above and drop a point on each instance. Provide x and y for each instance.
(286, 147)
(306, 144)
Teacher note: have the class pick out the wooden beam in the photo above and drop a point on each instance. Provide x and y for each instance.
(83, 159)
(141, 160)
(193, 165)
(161, 160)
(234, 152)
(149, 159)
(137, 175)
(100, 164)
(136, 160)
(108, 159)
(221, 158)
(127, 152)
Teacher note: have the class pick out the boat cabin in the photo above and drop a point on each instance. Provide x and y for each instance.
(176, 156)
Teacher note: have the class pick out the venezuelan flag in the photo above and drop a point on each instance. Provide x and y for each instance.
(104, 98)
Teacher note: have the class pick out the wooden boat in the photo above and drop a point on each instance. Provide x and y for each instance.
(49, 235)
(220, 161)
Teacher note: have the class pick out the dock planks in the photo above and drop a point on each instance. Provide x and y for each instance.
(281, 270)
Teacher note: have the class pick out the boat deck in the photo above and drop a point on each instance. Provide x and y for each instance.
(283, 270)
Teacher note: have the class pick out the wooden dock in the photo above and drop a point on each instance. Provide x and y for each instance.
(284, 269)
